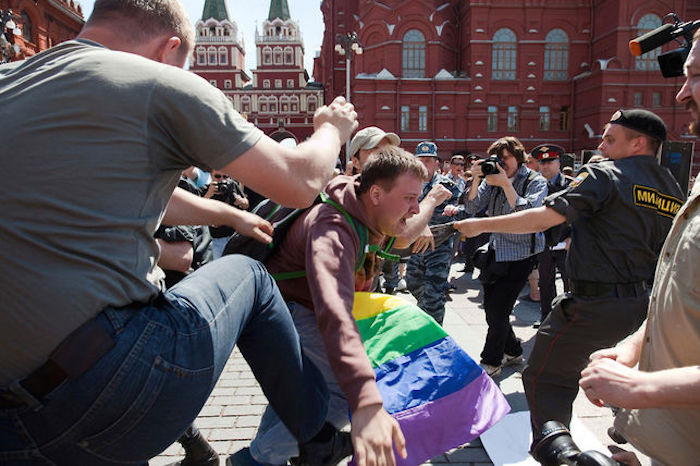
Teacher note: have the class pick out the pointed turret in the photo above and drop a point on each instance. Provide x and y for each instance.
(215, 9)
(278, 9)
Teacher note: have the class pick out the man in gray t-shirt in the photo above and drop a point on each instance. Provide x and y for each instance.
(97, 364)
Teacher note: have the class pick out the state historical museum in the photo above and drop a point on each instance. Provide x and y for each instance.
(464, 73)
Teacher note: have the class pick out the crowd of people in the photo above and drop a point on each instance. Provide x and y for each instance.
(107, 359)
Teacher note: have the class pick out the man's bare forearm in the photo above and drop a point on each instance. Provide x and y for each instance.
(186, 208)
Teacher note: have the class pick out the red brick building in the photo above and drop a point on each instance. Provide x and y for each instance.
(44, 23)
(464, 73)
(278, 99)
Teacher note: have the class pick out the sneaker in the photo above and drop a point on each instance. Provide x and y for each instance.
(536, 324)
(491, 371)
(509, 360)
(325, 452)
(401, 286)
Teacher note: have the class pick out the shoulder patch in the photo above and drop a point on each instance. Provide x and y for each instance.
(651, 198)
(579, 179)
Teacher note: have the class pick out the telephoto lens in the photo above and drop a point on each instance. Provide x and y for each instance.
(556, 447)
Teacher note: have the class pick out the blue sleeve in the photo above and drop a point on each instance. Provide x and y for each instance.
(534, 195)
(481, 200)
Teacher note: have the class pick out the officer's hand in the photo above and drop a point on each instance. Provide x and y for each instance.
(424, 241)
(340, 114)
(374, 432)
(498, 179)
(468, 227)
(450, 210)
(624, 457)
(439, 194)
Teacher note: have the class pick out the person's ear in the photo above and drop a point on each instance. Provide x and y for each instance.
(375, 194)
(169, 52)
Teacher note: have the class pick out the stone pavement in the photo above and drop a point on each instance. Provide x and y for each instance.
(231, 415)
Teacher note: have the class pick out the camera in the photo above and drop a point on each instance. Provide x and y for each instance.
(671, 62)
(489, 165)
(222, 186)
(557, 447)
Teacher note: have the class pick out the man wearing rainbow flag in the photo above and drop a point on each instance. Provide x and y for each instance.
(325, 245)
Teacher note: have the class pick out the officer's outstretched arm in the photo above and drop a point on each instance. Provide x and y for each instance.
(526, 221)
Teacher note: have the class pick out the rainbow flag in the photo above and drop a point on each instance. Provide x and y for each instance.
(441, 398)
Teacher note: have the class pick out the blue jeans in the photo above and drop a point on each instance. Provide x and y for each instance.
(143, 394)
(273, 443)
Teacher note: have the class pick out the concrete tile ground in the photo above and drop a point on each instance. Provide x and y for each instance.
(232, 412)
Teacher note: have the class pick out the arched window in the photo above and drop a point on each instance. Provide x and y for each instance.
(288, 56)
(295, 104)
(27, 32)
(245, 104)
(312, 103)
(647, 61)
(504, 55)
(556, 56)
(273, 104)
(211, 52)
(277, 53)
(262, 103)
(223, 56)
(414, 54)
(284, 104)
(267, 56)
(201, 56)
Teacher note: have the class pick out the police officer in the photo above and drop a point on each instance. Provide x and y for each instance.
(426, 272)
(554, 254)
(620, 211)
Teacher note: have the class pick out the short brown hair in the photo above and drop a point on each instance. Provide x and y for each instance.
(512, 145)
(387, 164)
(142, 19)
(652, 143)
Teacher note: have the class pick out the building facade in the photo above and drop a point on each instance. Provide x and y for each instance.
(43, 24)
(464, 73)
(278, 98)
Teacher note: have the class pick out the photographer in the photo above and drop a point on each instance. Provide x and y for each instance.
(225, 189)
(507, 186)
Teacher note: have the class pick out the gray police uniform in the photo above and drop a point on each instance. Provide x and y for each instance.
(620, 212)
(426, 273)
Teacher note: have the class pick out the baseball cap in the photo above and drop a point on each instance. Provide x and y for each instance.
(547, 152)
(426, 149)
(370, 137)
(641, 120)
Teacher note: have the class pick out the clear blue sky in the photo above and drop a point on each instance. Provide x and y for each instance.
(246, 13)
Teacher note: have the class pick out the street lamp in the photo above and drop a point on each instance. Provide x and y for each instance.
(8, 48)
(346, 44)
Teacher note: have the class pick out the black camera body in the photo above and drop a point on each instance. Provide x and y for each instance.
(490, 165)
(556, 447)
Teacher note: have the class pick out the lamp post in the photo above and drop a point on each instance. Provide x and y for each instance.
(346, 44)
(8, 29)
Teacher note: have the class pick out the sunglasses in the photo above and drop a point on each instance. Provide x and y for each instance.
(219, 177)
(459, 164)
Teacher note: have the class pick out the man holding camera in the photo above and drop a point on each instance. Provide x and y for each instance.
(660, 400)
(507, 186)
(428, 269)
(619, 211)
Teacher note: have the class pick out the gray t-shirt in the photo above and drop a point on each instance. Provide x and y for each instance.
(93, 145)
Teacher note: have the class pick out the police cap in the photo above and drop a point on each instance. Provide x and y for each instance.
(547, 152)
(642, 121)
(426, 149)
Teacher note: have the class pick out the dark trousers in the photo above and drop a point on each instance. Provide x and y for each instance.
(470, 245)
(549, 262)
(576, 327)
(499, 299)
